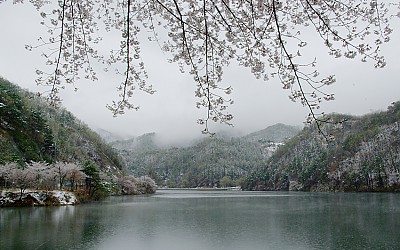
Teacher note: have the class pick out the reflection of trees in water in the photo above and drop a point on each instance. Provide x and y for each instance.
(47, 227)
(209, 220)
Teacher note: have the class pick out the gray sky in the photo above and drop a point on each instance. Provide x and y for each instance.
(171, 112)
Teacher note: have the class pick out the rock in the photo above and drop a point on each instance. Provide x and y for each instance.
(30, 198)
(295, 186)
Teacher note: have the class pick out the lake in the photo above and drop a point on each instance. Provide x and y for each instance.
(210, 220)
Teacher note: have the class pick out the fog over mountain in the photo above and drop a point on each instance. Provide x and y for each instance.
(171, 112)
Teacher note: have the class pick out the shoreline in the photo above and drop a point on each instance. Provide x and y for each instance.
(205, 189)
(37, 198)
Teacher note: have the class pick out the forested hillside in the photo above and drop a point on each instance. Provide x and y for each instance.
(217, 161)
(364, 156)
(32, 131)
(276, 133)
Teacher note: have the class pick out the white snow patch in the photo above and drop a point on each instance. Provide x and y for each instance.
(65, 197)
(39, 197)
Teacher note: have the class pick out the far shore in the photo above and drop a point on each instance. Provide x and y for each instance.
(204, 188)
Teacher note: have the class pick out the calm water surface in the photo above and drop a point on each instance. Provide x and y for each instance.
(210, 220)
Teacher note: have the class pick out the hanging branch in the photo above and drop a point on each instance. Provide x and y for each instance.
(54, 99)
(206, 36)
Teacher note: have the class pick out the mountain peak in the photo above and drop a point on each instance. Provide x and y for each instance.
(275, 133)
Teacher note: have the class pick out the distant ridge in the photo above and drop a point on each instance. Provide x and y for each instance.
(275, 133)
(144, 142)
(108, 136)
(205, 162)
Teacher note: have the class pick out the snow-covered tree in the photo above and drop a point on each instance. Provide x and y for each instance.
(62, 170)
(147, 185)
(19, 177)
(76, 177)
(142, 185)
(128, 185)
(42, 175)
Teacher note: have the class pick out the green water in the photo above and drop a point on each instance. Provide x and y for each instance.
(210, 220)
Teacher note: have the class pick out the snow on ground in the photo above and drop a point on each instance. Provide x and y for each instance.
(65, 197)
(38, 197)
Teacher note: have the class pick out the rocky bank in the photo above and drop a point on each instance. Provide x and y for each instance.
(13, 198)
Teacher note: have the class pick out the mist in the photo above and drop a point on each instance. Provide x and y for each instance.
(171, 112)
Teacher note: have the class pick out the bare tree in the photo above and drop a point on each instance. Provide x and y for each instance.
(203, 37)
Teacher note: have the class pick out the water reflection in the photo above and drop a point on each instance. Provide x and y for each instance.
(31, 228)
(210, 220)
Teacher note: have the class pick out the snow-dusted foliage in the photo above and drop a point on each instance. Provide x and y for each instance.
(70, 172)
(40, 184)
(128, 185)
(33, 131)
(376, 163)
(147, 185)
(365, 156)
(131, 185)
(42, 176)
(36, 183)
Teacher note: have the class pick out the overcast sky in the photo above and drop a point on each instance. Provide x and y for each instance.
(171, 112)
